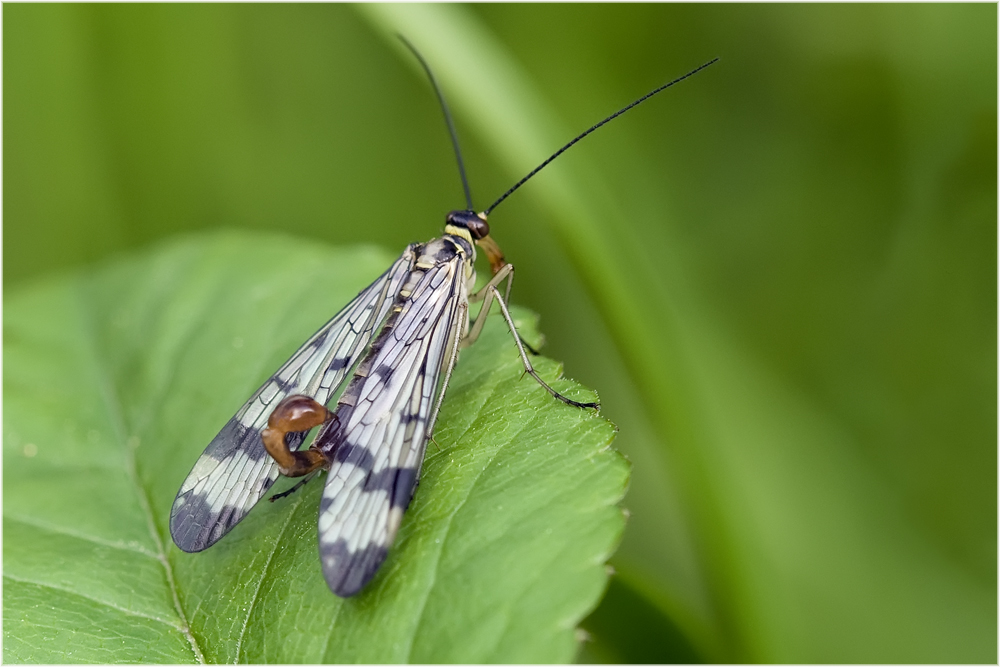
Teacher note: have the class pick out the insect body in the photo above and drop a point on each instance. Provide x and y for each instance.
(415, 316)
(401, 337)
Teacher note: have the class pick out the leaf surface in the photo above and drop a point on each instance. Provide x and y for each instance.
(117, 378)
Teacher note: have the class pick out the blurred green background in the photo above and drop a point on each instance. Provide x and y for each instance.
(780, 275)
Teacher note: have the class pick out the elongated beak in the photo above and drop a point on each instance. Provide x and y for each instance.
(493, 253)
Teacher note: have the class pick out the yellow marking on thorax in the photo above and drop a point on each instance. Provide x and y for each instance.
(459, 231)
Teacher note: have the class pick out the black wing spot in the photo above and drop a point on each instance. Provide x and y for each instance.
(236, 437)
(195, 527)
(397, 482)
(347, 572)
(356, 455)
(383, 372)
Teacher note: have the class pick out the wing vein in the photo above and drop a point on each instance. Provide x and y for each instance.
(366, 494)
(235, 471)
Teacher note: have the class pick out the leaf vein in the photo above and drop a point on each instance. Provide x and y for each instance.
(58, 530)
(451, 517)
(113, 403)
(104, 603)
(263, 574)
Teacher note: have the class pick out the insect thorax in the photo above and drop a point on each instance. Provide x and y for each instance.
(446, 249)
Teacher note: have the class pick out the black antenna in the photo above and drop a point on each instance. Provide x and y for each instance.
(447, 118)
(581, 136)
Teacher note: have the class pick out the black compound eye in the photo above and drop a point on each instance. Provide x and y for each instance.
(478, 227)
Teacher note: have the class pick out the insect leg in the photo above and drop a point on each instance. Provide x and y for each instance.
(507, 271)
(295, 488)
(488, 294)
(528, 368)
(293, 415)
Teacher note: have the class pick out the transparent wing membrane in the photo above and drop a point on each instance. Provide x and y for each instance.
(235, 471)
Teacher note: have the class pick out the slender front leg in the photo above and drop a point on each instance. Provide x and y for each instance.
(528, 368)
(299, 485)
(488, 294)
(504, 272)
(294, 414)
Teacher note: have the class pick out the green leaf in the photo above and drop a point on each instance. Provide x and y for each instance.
(780, 274)
(115, 380)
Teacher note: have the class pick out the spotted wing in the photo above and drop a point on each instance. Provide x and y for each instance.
(376, 444)
(235, 471)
